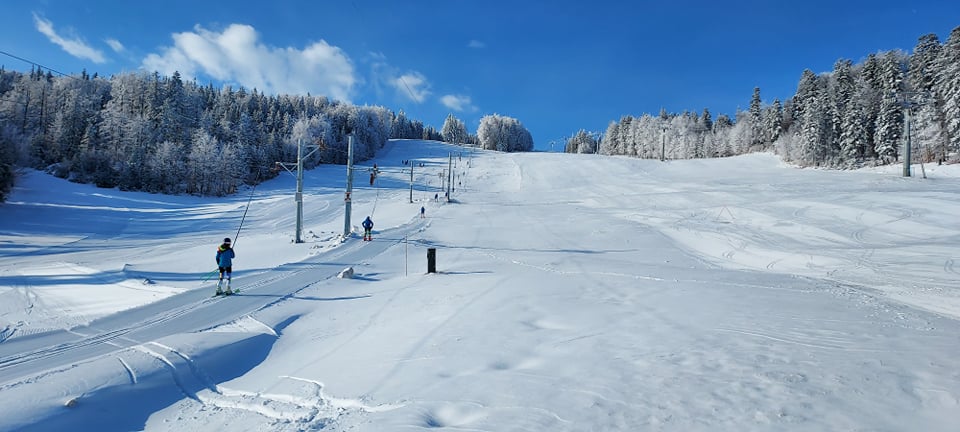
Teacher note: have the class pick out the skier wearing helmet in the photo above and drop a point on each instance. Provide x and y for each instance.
(367, 229)
(225, 257)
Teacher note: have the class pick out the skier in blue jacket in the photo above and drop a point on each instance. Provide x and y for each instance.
(367, 229)
(225, 257)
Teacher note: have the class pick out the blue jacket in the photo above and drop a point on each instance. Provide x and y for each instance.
(367, 223)
(225, 256)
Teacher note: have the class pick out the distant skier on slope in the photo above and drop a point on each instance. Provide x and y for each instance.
(373, 174)
(367, 229)
(225, 257)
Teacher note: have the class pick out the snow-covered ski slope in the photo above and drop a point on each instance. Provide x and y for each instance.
(574, 292)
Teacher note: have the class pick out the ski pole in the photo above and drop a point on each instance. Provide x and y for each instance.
(210, 275)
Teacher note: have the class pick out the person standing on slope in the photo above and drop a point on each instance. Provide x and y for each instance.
(367, 229)
(225, 257)
(373, 174)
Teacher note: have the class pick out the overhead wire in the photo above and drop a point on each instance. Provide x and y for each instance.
(36, 64)
(247, 208)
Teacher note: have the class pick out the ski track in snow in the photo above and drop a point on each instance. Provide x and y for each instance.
(164, 317)
(307, 406)
(88, 339)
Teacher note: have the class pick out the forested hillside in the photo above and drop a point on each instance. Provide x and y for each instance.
(852, 116)
(148, 132)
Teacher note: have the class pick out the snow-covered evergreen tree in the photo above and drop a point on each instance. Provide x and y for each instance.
(615, 139)
(845, 114)
(889, 127)
(704, 132)
(948, 90)
(923, 66)
(706, 120)
(401, 127)
(722, 129)
(869, 92)
(503, 133)
(772, 123)
(454, 130)
(723, 122)
(927, 121)
(756, 135)
(581, 142)
(811, 114)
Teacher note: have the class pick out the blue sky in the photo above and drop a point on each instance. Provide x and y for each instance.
(556, 66)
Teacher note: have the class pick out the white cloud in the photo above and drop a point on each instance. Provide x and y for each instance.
(75, 46)
(457, 102)
(115, 45)
(237, 55)
(412, 85)
(476, 44)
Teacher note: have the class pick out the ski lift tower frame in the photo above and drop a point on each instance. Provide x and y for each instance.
(299, 175)
(910, 100)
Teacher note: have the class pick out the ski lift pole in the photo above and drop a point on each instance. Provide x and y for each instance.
(346, 198)
(299, 174)
(299, 195)
(449, 175)
(411, 181)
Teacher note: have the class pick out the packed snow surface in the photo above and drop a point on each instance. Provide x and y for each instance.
(572, 293)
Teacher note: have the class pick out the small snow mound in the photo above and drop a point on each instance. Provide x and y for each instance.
(346, 273)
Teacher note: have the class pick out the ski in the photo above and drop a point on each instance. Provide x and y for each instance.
(226, 294)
